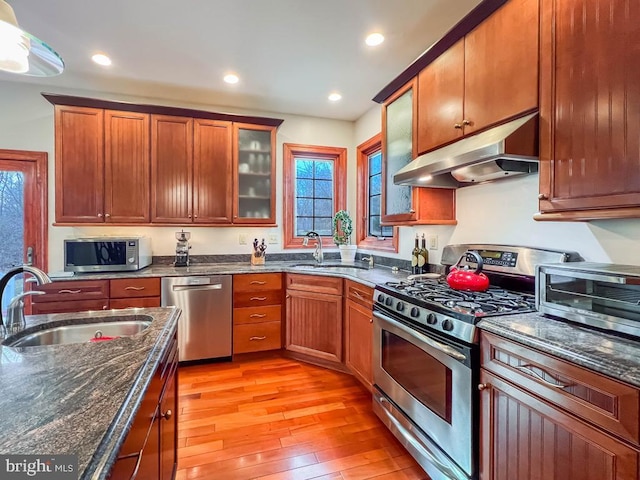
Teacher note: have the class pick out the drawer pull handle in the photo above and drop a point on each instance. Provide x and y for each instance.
(257, 315)
(526, 368)
(261, 299)
(137, 289)
(357, 295)
(257, 282)
(69, 291)
(258, 338)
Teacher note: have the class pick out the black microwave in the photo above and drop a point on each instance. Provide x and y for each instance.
(106, 254)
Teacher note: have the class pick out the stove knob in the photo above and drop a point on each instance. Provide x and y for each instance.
(399, 306)
(381, 298)
(388, 301)
(447, 325)
(415, 312)
(432, 319)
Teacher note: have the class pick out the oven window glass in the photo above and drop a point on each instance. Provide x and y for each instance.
(619, 300)
(424, 377)
(96, 253)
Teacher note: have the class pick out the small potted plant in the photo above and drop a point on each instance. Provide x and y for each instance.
(342, 230)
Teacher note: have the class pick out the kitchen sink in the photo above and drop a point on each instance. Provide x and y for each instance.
(80, 332)
(306, 266)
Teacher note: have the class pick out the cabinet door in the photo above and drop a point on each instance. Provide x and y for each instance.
(171, 169)
(359, 341)
(314, 324)
(440, 99)
(398, 137)
(526, 438)
(254, 174)
(212, 171)
(127, 167)
(79, 164)
(169, 425)
(501, 65)
(590, 135)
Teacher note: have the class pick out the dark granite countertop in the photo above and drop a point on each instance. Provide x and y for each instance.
(364, 275)
(611, 355)
(79, 398)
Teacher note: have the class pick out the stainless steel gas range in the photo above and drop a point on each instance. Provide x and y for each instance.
(426, 358)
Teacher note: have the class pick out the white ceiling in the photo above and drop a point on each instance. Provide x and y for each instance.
(289, 54)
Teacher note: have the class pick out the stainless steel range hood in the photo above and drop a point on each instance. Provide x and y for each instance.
(507, 150)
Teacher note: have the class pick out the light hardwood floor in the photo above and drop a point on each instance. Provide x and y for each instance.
(270, 417)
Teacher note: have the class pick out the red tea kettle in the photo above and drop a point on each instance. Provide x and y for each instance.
(463, 278)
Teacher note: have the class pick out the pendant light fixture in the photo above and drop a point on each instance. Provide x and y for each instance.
(21, 52)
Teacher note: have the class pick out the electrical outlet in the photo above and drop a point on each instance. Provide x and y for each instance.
(273, 238)
(432, 240)
(242, 239)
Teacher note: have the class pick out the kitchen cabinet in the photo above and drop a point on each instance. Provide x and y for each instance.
(542, 417)
(358, 320)
(314, 317)
(590, 123)
(102, 166)
(485, 78)
(254, 174)
(149, 451)
(404, 205)
(134, 292)
(257, 312)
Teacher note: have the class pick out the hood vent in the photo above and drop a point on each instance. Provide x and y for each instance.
(504, 151)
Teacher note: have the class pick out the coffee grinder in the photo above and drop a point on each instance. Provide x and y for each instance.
(182, 249)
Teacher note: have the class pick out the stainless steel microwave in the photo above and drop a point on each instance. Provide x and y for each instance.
(106, 254)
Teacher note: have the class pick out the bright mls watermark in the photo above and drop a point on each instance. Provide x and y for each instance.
(43, 467)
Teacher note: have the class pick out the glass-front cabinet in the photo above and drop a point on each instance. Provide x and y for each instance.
(254, 174)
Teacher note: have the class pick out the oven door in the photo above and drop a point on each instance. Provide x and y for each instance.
(430, 382)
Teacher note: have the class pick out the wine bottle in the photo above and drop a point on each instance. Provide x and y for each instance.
(423, 260)
(415, 254)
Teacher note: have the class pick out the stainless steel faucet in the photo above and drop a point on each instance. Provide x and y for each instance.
(15, 311)
(317, 254)
(370, 259)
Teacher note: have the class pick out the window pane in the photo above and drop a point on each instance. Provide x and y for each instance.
(314, 196)
(324, 226)
(375, 185)
(304, 188)
(387, 231)
(375, 198)
(323, 208)
(303, 226)
(375, 163)
(374, 226)
(323, 189)
(304, 207)
(324, 169)
(304, 168)
(374, 205)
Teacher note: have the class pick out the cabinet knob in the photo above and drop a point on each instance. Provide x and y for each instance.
(412, 211)
(543, 196)
(457, 126)
(195, 216)
(104, 307)
(99, 215)
(466, 122)
(483, 386)
(107, 215)
(167, 415)
(189, 215)
(371, 320)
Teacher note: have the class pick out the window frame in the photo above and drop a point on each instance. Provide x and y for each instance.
(363, 239)
(292, 150)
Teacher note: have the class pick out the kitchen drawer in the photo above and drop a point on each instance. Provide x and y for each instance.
(69, 291)
(257, 337)
(253, 282)
(136, 302)
(134, 287)
(70, 306)
(359, 293)
(600, 400)
(314, 283)
(255, 299)
(268, 313)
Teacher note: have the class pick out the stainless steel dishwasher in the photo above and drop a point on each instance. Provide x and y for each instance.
(205, 326)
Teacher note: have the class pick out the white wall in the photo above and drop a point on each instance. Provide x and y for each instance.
(26, 123)
(502, 212)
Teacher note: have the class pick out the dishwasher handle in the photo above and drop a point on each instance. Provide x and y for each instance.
(181, 288)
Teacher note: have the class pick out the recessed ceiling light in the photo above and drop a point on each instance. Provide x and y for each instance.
(426, 178)
(335, 96)
(231, 78)
(374, 39)
(101, 59)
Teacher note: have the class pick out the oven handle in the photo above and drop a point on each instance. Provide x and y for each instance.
(423, 338)
(415, 442)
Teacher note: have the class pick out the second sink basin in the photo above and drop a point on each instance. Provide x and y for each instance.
(80, 332)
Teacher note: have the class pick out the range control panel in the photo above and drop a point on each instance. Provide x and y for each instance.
(496, 257)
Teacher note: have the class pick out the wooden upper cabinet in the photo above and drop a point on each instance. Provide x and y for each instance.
(171, 169)
(590, 120)
(441, 90)
(212, 171)
(79, 164)
(484, 79)
(404, 205)
(501, 66)
(127, 167)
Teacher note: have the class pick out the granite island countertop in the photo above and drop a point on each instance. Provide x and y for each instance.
(79, 399)
(615, 356)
